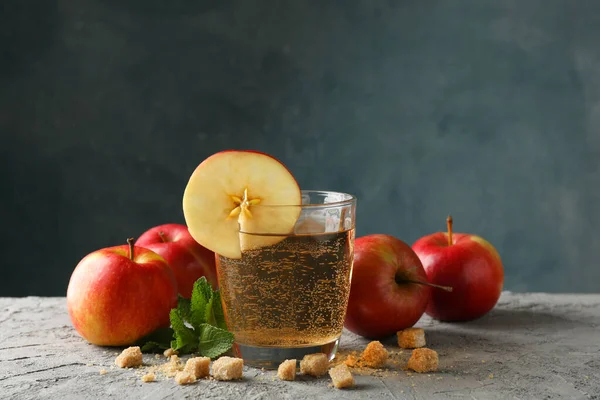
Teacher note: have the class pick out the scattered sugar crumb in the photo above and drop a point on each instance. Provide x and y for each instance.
(168, 369)
(172, 367)
(351, 360)
(103, 372)
(359, 367)
(149, 377)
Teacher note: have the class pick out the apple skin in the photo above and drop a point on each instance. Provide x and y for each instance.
(471, 266)
(188, 259)
(114, 301)
(380, 302)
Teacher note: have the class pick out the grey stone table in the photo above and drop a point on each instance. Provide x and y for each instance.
(531, 346)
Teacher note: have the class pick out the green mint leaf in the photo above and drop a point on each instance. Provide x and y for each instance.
(185, 307)
(217, 311)
(187, 349)
(202, 286)
(214, 341)
(185, 338)
(154, 347)
(201, 295)
(208, 332)
(208, 312)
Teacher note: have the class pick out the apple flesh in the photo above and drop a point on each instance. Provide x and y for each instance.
(470, 265)
(240, 191)
(387, 293)
(114, 300)
(188, 259)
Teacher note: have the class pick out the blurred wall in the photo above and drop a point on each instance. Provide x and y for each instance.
(488, 110)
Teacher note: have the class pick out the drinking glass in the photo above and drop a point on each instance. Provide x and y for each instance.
(287, 297)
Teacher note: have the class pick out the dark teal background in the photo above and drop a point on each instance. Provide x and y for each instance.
(485, 109)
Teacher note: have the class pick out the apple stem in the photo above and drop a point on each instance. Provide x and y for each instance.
(449, 225)
(446, 288)
(130, 243)
(162, 236)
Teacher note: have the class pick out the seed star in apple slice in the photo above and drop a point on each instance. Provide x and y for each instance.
(233, 192)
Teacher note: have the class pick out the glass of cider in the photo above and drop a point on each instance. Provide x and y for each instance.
(287, 296)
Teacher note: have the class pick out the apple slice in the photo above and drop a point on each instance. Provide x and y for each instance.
(230, 192)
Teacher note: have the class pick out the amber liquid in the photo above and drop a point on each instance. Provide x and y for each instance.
(291, 294)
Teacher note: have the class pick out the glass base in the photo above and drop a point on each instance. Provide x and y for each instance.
(271, 357)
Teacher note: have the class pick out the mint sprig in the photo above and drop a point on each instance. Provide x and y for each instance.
(214, 341)
(197, 325)
(184, 338)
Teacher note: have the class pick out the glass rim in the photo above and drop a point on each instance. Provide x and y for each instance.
(351, 199)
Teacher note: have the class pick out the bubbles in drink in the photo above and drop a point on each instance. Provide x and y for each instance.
(291, 294)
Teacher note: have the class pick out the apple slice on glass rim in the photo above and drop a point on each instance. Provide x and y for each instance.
(231, 192)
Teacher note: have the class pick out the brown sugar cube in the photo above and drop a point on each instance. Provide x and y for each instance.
(199, 366)
(130, 357)
(341, 376)
(374, 355)
(185, 378)
(287, 370)
(423, 360)
(170, 352)
(150, 377)
(411, 338)
(314, 364)
(228, 368)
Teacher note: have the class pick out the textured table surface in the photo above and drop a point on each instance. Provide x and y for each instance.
(531, 346)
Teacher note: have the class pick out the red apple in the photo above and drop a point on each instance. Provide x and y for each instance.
(187, 258)
(389, 289)
(119, 294)
(470, 265)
